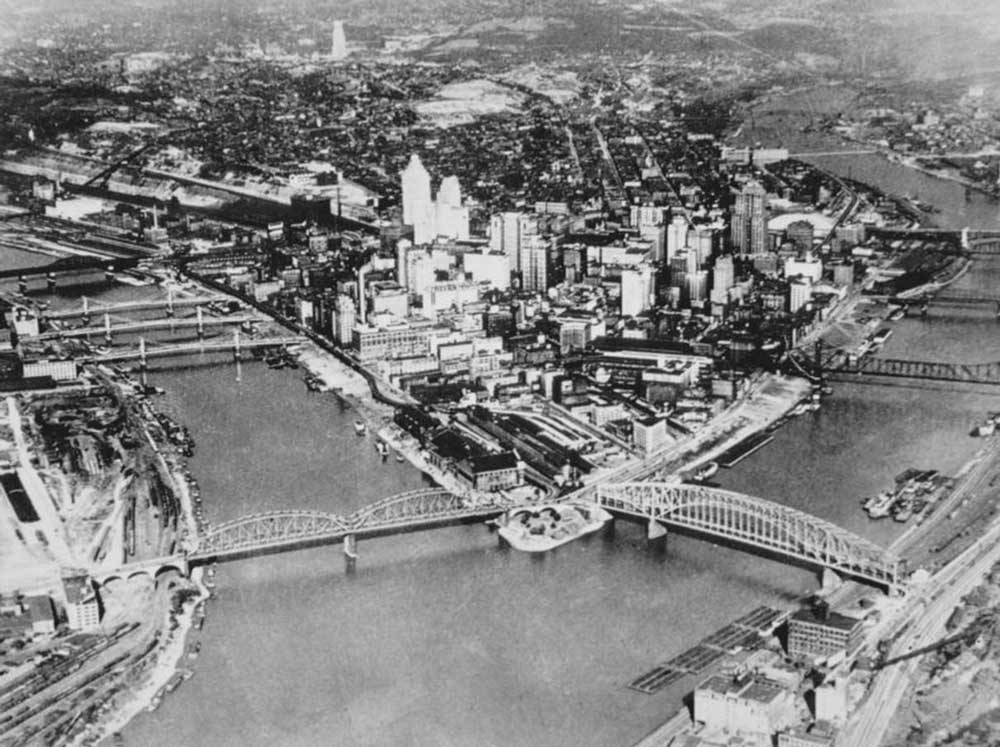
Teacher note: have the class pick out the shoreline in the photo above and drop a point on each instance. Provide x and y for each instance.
(166, 660)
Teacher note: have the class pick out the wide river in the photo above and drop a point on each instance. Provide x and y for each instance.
(443, 638)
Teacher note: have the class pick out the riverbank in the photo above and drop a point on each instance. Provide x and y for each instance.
(166, 661)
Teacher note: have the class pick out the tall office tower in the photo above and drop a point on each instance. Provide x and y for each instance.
(418, 208)
(692, 264)
(749, 220)
(637, 289)
(724, 275)
(505, 236)
(697, 288)
(533, 261)
(402, 247)
(677, 234)
(345, 317)
(339, 49)
(451, 217)
(702, 240)
(450, 192)
(419, 270)
(679, 274)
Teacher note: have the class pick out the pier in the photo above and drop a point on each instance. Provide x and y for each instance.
(745, 634)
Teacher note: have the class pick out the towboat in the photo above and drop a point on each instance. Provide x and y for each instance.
(707, 471)
(545, 527)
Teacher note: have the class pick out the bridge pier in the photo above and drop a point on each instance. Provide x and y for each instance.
(50, 280)
(109, 274)
(22, 284)
(143, 366)
(170, 302)
(350, 553)
(201, 322)
(107, 328)
(656, 535)
(830, 580)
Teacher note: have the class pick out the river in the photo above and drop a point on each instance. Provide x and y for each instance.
(444, 638)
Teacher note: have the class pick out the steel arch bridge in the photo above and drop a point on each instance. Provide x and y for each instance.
(969, 373)
(759, 523)
(276, 531)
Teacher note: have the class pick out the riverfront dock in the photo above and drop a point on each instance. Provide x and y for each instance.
(747, 633)
(740, 451)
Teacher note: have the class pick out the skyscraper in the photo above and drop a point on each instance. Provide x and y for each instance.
(533, 256)
(749, 220)
(345, 317)
(451, 216)
(637, 289)
(418, 208)
(724, 275)
(677, 235)
(339, 49)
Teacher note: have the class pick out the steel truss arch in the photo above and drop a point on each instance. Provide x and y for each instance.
(759, 523)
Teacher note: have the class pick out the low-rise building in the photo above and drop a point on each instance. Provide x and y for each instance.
(750, 705)
(492, 472)
(57, 370)
(815, 736)
(43, 619)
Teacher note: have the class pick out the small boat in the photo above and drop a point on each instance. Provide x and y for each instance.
(383, 449)
(897, 313)
(360, 427)
(986, 429)
(400, 457)
(880, 506)
(902, 511)
(707, 471)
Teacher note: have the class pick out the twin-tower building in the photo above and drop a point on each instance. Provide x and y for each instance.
(432, 217)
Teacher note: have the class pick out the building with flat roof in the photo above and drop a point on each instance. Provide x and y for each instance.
(83, 609)
(492, 472)
(817, 735)
(650, 434)
(816, 633)
(749, 705)
(43, 619)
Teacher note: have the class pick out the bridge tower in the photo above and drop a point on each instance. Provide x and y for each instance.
(22, 284)
(170, 302)
(51, 281)
(107, 328)
(201, 322)
(86, 311)
(109, 274)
